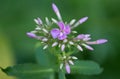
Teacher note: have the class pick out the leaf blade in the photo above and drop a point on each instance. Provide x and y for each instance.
(86, 68)
(28, 71)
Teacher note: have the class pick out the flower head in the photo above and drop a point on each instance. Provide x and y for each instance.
(62, 36)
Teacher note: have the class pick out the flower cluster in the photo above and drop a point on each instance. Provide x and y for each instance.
(62, 36)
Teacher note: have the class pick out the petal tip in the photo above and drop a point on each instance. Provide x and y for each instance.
(101, 41)
(83, 20)
(31, 35)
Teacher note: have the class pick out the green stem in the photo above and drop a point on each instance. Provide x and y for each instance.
(61, 75)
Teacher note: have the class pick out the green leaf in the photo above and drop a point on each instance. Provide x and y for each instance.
(29, 71)
(86, 68)
(45, 57)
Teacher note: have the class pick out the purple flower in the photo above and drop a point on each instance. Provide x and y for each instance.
(62, 32)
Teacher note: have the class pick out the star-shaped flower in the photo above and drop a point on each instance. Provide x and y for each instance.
(62, 32)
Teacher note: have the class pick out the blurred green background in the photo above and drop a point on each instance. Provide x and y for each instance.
(16, 18)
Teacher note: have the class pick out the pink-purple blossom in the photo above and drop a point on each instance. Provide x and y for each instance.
(62, 32)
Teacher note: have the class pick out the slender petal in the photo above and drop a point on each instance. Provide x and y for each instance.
(81, 36)
(63, 47)
(38, 21)
(56, 10)
(88, 47)
(31, 35)
(61, 25)
(73, 57)
(83, 20)
(67, 67)
(55, 32)
(54, 44)
(84, 37)
(91, 42)
(71, 43)
(101, 41)
(79, 47)
(61, 65)
(71, 62)
(47, 21)
(45, 46)
(74, 31)
(44, 39)
(79, 22)
(45, 30)
(54, 20)
(72, 21)
(37, 28)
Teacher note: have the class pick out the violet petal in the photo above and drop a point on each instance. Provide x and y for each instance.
(56, 10)
(87, 46)
(82, 20)
(67, 67)
(61, 25)
(62, 36)
(63, 47)
(81, 36)
(55, 32)
(38, 21)
(31, 35)
(101, 41)
(67, 29)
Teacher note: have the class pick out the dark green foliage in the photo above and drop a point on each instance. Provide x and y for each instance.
(29, 71)
(86, 68)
